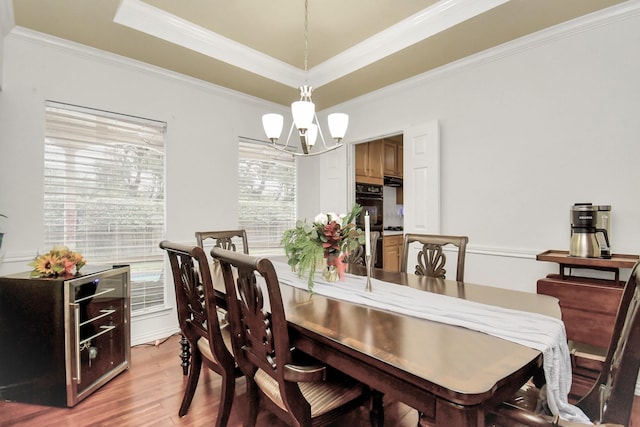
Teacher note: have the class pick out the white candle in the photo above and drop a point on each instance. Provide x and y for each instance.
(367, 234)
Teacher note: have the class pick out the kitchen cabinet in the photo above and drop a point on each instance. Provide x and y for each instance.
(589, 307)
(369, 166)
(392, 252)
(393, 158)
(393, 153)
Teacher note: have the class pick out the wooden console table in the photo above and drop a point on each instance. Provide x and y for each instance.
(613, 264)
(589, 307)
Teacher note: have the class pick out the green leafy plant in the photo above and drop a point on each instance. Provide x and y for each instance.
(321, 242)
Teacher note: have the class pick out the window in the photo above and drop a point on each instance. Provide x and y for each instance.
(266, 195)
(104, 193)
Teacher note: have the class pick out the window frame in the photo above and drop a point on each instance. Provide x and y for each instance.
(265, 220)
(104, 193)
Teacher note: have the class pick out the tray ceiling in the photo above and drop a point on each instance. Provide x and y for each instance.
(257, 47)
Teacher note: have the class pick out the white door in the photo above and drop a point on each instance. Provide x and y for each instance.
(422, 179)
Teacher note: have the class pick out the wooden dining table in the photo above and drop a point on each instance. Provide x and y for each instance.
(451, 374)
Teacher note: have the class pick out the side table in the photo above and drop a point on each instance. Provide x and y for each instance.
(589, 307)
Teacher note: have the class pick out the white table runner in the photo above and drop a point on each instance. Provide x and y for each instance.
(543, 333)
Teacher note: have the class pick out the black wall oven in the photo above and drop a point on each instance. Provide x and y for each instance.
(369, 196)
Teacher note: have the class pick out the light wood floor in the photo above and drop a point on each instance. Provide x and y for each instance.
(150, 392)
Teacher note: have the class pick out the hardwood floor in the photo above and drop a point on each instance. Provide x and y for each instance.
(150, 392)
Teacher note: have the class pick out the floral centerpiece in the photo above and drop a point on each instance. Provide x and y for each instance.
(330, 237)
(59, 261)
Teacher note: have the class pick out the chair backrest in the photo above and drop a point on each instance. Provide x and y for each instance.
(225, 239)
(196, 298)
(260, 330)
(431, 259)
(357, 256)
(611, 397)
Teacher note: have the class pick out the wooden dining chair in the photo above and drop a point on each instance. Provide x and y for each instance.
(225, 239)
(610, 399)
(295, 388)
(357, 256)
(431, 260)
(199, 324)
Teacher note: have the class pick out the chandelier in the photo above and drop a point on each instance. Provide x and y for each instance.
(304, 115)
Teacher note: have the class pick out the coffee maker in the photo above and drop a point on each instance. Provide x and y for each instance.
(590, 226)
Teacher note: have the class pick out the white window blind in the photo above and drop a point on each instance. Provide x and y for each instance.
(266, 195)
(104, 193)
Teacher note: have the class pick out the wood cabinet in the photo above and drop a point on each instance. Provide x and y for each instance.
(369, 166)
(393, 158)
(392, 252)
(589, 308)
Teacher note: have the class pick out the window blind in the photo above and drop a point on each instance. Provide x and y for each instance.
(266, 195)
(104, 193)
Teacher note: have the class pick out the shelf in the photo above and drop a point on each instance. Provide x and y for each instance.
(613, 264)
(562, 257)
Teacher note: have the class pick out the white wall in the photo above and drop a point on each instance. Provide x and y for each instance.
(527, 130)
(203, 124)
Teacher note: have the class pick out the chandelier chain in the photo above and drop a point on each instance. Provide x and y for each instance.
(306, 34)
(305, 120)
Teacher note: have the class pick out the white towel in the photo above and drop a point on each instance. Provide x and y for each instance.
(543, 333)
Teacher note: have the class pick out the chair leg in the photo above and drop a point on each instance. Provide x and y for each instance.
(253, 398)
(185, 354)
(376, 415)
(192, 382)
(226, 399)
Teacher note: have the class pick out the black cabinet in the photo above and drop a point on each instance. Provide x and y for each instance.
(63, 338)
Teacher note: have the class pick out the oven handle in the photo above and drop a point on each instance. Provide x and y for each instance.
(76, 323)
(368, 197)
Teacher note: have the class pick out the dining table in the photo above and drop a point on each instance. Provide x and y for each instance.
(453, 375)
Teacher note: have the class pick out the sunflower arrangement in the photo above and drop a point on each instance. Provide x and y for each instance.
(59, 261)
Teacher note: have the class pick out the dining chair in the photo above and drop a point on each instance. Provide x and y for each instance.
(357, 256)
(226, 239)
(431, 260)
(610, 399)
(199, 324)
(291, 385)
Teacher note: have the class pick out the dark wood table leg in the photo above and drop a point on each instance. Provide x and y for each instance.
(377, 409)
(185, 354)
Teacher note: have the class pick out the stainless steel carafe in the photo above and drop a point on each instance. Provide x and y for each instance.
(585, 229)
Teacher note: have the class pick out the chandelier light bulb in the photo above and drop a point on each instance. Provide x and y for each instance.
(312, 135)
(272, 124)
(303, 113)
(338, 123)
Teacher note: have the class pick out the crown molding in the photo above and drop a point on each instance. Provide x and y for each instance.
(148, 19)
(564, 30)
(98, 55)
(442, 15)
(420, 26)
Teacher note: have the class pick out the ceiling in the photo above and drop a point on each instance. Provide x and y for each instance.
(257, 47)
